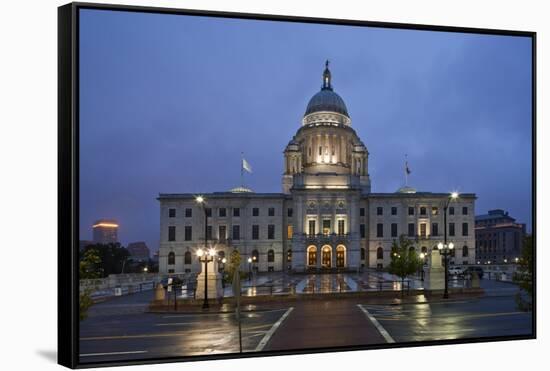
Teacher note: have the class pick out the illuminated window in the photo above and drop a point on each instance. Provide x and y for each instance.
(341, 227)
(326, 226)
(289, 231)
(311, 226)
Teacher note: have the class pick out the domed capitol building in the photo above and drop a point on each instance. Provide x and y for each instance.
(325, 219)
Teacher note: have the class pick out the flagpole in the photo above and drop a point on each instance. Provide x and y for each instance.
(242, 169)
(406, 172)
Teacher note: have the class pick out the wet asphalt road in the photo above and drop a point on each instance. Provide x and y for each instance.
(455, 319)
(120, 329)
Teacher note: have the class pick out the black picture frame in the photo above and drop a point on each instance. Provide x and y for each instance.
(68, 175)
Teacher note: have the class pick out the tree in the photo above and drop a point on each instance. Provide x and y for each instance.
(524, 276)
(404, 259)
(89, 264)
(234, 264)
(113, 257)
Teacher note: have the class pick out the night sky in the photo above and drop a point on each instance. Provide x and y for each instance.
(168, 102)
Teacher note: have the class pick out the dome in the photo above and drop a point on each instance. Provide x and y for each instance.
(326, 100)
(406, 189)
(241, 190)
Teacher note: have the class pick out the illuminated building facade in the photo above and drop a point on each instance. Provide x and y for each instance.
(105, 231)
(326, 217)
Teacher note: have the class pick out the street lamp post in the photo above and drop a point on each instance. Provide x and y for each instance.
(444, 247)
(250, 269)
(422, 257)
(206, 258)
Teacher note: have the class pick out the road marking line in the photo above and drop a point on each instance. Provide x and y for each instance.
(272, 330)
(396, 317)
(112, 353)
(218, 314)
(376, 324)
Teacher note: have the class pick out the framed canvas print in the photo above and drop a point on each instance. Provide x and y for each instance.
(240, 185)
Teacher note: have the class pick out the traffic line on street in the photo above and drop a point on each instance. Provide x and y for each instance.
(113, 353)
(272, 330)
(376, 324)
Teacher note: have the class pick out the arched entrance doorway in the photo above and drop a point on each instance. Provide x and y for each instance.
(326, 256)
(340, 256)
(312, 256)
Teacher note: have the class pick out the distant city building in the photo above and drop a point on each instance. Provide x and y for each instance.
(105, 231)
(83, 243)
(155, 257)
(499, 238)
(325, 218)
(139, 251)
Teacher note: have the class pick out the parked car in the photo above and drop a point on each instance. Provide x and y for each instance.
(456, 271)
(470, 270)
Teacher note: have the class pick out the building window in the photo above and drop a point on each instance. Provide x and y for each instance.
(362, 211)
(451, 210)
(341, 227)
(464, 251)
(209, 232)
(171, 213)
(236, 212)
(423, 229)
(236, 232)
(435, 210)
(311, 226)
(188, 233)
(255, 232)
(411, 210)
(379, 230)
(271, 211)
(289, 231)
(362, 230)
(270, 256)
(255, 256)
(187, 257)
(255, 211)
(170, 271)
(208, 212)
(171, 258)
(222, 232)
(222, 212)
(171, 233)
(422, 210)
(326, 226)
(363, 253)
(394, 210)
(464, 229)
(320, 150)
(379, 253)
(289, 212)
(271, 232)
(451, 229)
(188, 213)
(464, 210)
(379, 210)
(394, 229)
(411, 230)
(424, 249)
(435, 229)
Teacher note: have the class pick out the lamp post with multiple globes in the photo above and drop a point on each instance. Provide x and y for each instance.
(206, 257)
(446, 248)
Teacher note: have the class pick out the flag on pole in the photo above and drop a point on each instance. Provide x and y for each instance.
(246, 166)
(407, 170)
